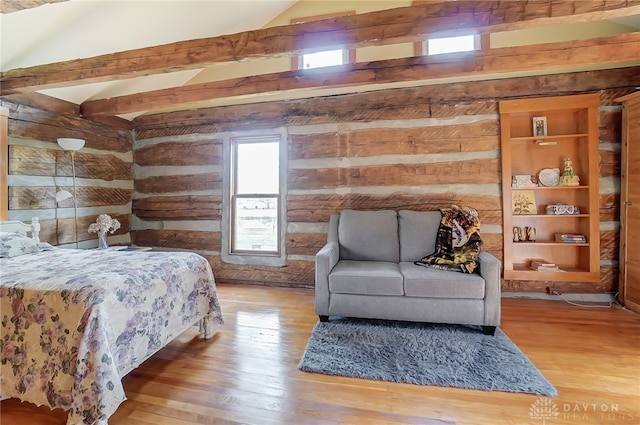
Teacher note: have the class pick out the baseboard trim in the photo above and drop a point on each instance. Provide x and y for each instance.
(591, 298)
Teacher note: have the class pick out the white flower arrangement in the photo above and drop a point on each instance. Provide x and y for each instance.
(104, 224)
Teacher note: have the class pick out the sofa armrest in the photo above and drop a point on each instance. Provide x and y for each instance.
(326, 259)
(489, 268)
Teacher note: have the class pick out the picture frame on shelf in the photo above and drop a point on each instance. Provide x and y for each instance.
(523, 202)
(539, 126)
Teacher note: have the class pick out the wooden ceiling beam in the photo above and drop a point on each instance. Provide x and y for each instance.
(345, 107)
(45, 102)
(617, 49)
(376, 28)
(49, 103)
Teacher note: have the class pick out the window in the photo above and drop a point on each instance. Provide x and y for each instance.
(255, 195)
(464, 43)
(325, 58)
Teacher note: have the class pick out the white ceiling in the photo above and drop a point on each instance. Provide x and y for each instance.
(85, 28)
(75, 29)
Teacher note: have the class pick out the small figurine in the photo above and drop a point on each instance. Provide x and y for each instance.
(568, 168)
(568, 177)
(531, 234)
(523, 234)
(516, 234)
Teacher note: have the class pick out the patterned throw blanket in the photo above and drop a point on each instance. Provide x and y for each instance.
(458, 241)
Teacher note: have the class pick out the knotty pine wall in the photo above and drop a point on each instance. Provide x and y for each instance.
(38, 168)
(415, 148)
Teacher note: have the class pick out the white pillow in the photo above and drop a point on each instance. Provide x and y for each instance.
(15, 244)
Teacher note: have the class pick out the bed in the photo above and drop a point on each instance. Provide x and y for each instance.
(74, 322)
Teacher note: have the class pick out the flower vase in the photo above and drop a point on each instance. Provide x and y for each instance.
(102, 240)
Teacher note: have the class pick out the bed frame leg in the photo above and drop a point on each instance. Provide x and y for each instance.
(324, 318)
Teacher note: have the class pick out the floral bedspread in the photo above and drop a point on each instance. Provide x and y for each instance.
(74, 322)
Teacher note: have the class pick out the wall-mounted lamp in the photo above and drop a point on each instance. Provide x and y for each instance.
(71, 145)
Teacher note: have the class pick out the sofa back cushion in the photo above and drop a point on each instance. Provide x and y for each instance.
(369, 235)
(418, 231)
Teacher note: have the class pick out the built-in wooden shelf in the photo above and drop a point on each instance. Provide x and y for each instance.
(557, 137)
(550, 242)
(550, 188)
(572, 132)
(549, 216)
(523, 272)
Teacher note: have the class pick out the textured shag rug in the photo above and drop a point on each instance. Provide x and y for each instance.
(422, 354)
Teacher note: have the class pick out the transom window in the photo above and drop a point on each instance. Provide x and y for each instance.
(463, 43)
(324, 58)
(255, 195)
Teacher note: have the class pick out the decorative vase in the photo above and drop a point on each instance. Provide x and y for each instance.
(102, 240)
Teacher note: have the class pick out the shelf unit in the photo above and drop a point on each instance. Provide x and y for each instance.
(572, 132)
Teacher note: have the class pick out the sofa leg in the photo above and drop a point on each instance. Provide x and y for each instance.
(324, 318)
(489, 330)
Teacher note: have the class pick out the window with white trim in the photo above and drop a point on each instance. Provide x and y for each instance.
(323, 58)
(255, 200)
(463, 43)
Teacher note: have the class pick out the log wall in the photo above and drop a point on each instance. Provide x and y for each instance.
(418, 148)
(38, 168)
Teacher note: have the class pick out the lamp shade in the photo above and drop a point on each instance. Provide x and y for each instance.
(70, 144)
(62, 195)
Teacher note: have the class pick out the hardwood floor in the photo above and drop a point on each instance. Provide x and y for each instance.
(247, 374)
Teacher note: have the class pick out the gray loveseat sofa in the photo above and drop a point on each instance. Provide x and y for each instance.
(367, 270)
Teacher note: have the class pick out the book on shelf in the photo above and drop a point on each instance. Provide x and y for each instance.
(545, 268)
(541, 265)
(571, 237)
(548, 269)
(541, 262)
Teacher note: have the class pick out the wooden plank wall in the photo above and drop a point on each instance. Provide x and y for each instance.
(38, 168)
(416, 148)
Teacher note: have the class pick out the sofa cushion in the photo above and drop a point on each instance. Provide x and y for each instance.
(417, 230)
(433, 283)
(369, 235)
(366, 278)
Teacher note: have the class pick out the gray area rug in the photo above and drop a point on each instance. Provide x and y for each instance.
(422, 354)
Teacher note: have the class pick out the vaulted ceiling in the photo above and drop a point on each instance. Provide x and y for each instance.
(116, 60)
